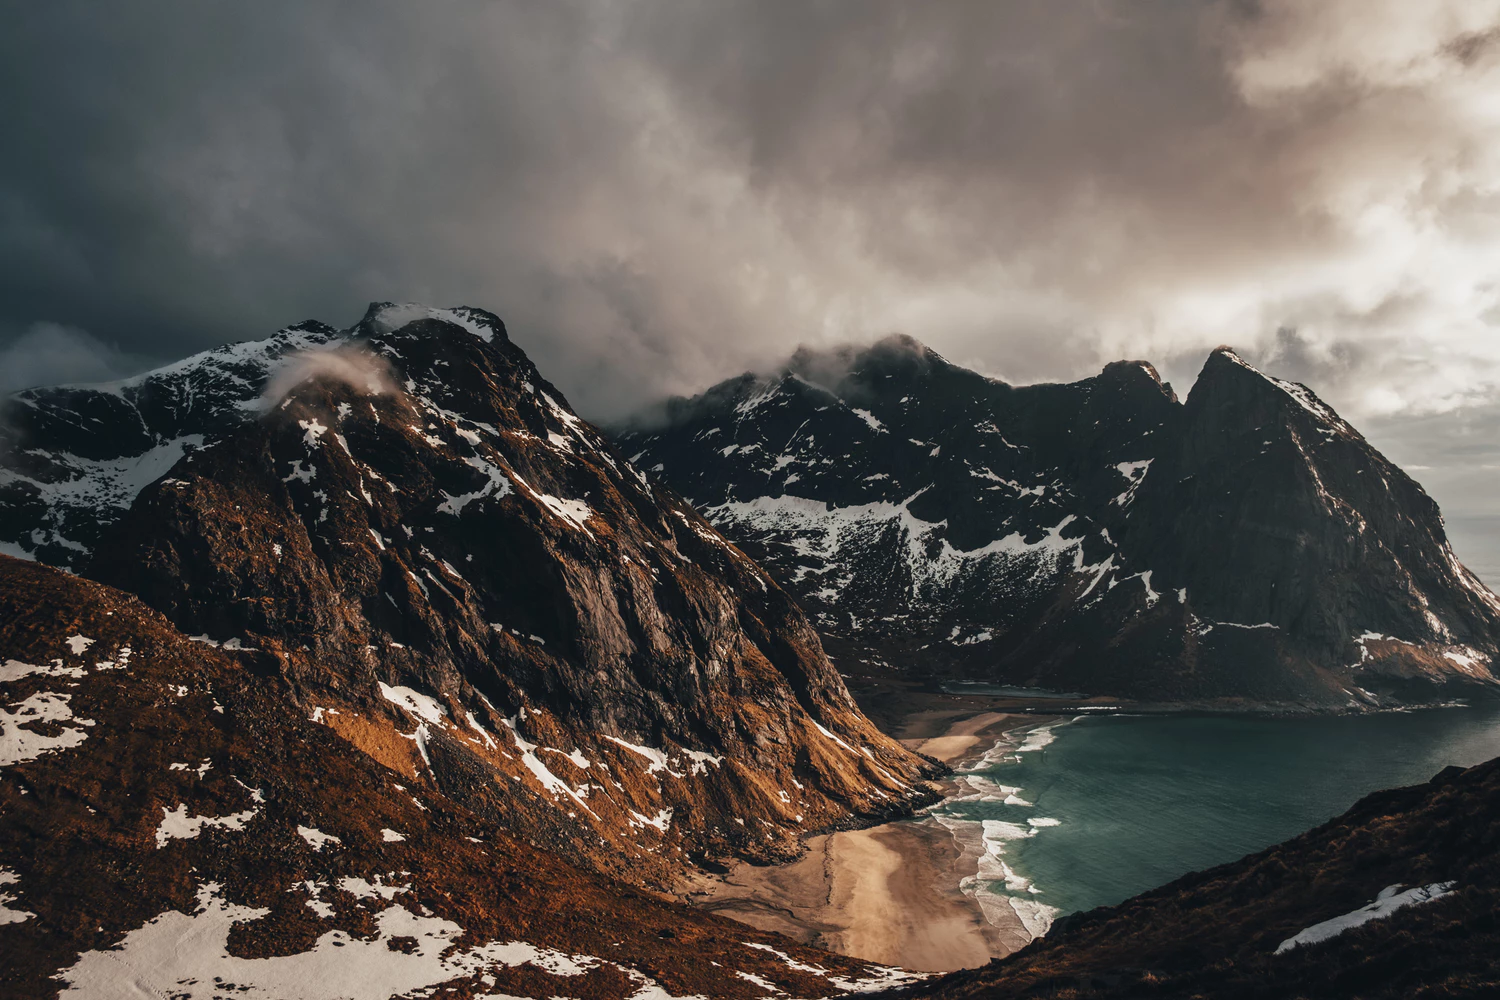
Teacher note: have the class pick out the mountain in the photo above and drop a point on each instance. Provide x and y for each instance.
(1394, 899)
(72, 458)
(173, 824)
(1100, 537)
(408, 526)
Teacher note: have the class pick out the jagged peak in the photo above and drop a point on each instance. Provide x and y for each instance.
(890, 344)
(388, 317)
(1225, 364)
(1226, 356)
(1138, 372)
(894, 354)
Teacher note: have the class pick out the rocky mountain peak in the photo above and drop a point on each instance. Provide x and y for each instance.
(1228, 381)
(408, 524)
(1138, 374)
(1242, 542)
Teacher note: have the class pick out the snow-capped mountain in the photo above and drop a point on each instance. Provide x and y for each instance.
(172, 824)
(1099, 537)
(72, 458)
(463, 579)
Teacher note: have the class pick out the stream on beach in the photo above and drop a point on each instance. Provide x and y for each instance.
(1089, 810)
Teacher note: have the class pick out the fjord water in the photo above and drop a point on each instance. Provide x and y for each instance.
(1140, 800)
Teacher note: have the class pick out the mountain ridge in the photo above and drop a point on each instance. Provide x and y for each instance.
(1021, 511)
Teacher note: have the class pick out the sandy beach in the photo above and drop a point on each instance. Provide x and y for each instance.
(889, 893)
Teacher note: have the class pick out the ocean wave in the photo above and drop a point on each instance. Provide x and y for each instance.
(983, 789)
(1004, 895)
(1000, 907)
(998, 831)
(1003, 750)
(1038, 739)
(1012, 743)
(1035, 915)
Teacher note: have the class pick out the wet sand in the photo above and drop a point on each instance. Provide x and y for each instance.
(886, 894)
(953, 735)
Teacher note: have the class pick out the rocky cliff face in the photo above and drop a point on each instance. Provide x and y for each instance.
(173, 824)
(1099, 537)
(464, 580)
(1395, 898)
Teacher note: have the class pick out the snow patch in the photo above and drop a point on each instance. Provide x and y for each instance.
(152, 960)
(176, 824)
(1389, 900)
(314, 431)
(657, 760)
(662, 820)
(575, 512)
(423, 706)
(317, 839)
(14, 670)
(18, 745)
(496, 486)
(394, 316)
(7, 915)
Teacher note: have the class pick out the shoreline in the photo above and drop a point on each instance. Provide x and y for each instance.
(889, 893)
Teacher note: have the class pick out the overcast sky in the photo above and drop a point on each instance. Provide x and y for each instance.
(659, 195)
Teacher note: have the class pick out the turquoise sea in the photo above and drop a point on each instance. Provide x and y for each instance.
(1094, 809)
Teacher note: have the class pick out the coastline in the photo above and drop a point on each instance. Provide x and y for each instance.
(889, 893)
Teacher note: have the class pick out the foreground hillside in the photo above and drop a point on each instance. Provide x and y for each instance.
(1396, 898)
(172, 825)
(1099, 537)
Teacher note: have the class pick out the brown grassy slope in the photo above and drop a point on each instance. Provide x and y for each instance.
(79, 826)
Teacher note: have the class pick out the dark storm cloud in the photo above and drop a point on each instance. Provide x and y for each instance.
(656, 195)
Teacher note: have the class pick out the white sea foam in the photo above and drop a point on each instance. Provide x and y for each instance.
(1035, 916)
(1004, 895)
(1010, 744)
(1038, 739)
(983, 789)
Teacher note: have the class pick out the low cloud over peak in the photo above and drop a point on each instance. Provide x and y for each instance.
(656, 196)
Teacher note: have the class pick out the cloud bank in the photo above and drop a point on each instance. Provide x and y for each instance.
(656, 195)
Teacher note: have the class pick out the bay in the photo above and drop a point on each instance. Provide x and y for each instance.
(1095, 809)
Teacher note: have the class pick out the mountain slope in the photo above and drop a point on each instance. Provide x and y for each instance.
(1395, 898)
(171, 823)
(1099, 537)
(464, 580)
